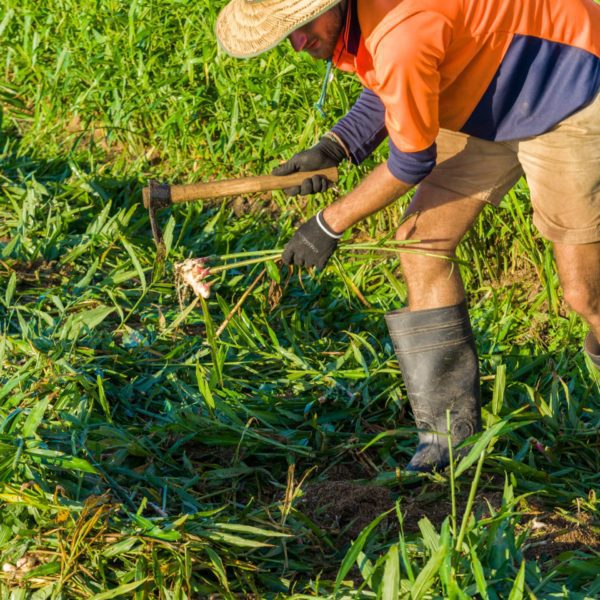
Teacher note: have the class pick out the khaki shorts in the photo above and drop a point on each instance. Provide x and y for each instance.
(562, 168)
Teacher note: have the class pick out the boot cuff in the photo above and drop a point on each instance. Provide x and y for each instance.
(413, 331)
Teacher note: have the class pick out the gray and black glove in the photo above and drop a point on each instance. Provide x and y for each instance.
(312, 245)
(326, 153)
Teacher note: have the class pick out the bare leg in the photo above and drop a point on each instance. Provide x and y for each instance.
(433, 340)
(579, 271)
(439, 221)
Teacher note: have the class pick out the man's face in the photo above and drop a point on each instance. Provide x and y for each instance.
(319, 37)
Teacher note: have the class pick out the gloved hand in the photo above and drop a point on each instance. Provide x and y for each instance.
(312, 245)
(326, 153)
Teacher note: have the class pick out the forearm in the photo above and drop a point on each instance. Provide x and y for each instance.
(379, 189)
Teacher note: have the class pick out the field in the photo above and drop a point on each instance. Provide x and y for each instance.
(250, 445)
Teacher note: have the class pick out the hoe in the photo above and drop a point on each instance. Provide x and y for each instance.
(161, 195)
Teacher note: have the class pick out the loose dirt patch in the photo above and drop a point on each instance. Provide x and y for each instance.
(435, 504)
(554, 533)
(344, 508)
(33, 273)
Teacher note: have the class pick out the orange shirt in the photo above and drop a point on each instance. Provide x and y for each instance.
(433, 62)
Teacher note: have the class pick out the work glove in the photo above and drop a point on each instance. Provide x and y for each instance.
(312, 245)
(326, 153)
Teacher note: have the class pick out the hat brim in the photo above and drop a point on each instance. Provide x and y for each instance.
(246, 29)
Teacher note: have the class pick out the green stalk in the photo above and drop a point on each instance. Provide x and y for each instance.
(275, 254)
(471, 499)
(244, 263)
(452, 488)
(250, 253)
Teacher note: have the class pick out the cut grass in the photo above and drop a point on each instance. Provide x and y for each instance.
(142, 454)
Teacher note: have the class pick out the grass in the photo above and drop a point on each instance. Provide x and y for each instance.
(144, 456)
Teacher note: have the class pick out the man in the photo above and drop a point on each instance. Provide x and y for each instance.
(472, 94)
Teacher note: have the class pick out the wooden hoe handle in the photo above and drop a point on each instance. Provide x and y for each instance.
(163, 194)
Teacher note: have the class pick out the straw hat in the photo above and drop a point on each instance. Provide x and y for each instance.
(247, 28)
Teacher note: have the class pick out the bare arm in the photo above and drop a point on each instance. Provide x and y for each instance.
(379, 189)
(316, 240)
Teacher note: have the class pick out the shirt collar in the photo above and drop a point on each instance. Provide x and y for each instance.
(352, 28)
(346, 48)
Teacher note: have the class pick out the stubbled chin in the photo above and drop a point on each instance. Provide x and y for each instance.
(319, 53)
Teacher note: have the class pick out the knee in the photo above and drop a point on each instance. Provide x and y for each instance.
(426, 251)
(406, 231)
(582, 299)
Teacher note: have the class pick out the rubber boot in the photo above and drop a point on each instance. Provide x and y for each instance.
(587, 346)
(438, 359)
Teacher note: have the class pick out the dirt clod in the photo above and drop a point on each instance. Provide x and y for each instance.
(344, 508)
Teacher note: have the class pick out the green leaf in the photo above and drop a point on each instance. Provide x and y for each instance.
(168, 234)
(87, 278)
(519, 585)
(58, 459)
(356, 548)
(390, 585)
(234, 540)
(380, 436)
(121, 547)
(479, 446)
(431, 539)
(35, 417)
(13, 383)
(135, 261)
(44, 570)
(479, 575)
(211, 340)
(102, 398)
(273, 271)
(204, 387)
(229, 472)
(455, 593)
(43, 593)
(499, 388)
(366, 567)
(403, 547)
(6, 533)
(360, 359)
(250, 529)
(219, 568)
(8, 15)
(122, 590)
(426, 577)
(93, 317)
(10, 289)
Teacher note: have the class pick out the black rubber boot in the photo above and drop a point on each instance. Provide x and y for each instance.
(438, 359)
(587, 346)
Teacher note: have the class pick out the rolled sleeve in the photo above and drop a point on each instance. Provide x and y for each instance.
(362, 129)
(411, 167)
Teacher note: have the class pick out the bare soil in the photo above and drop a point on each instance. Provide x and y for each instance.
(552, 533)
(343, 507)
(34, 273)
